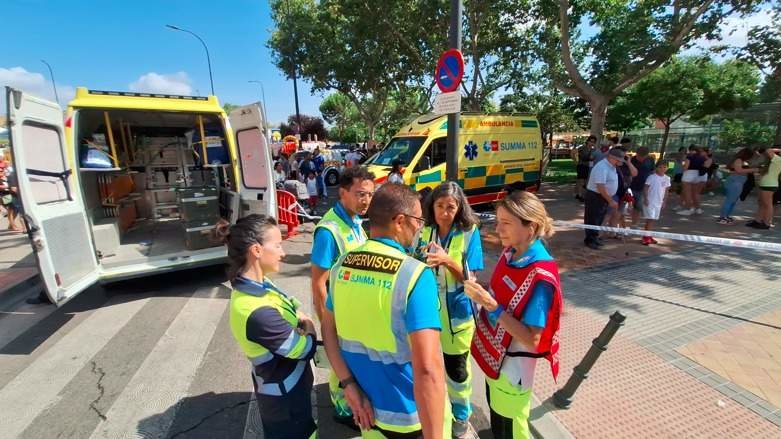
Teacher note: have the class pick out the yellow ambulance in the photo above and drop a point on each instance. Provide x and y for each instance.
(132, 184)
(496, 151)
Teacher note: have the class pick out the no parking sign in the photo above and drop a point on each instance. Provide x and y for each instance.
(450, 70)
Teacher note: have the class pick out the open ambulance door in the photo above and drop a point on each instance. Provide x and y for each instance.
(258, 194)
(51, 200)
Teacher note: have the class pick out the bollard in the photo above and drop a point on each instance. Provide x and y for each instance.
(563, 397)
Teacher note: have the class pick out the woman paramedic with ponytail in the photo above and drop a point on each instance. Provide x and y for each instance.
(275, 335)
(519, 319)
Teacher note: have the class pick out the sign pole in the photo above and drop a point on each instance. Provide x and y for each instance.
(454, 119)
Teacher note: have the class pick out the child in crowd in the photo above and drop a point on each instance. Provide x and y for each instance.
(654, 197)
(311, 189)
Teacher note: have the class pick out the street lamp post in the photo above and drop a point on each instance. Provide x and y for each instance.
(295, 83)
(54, 84)
(208, 59)
(453, 119)
(262, 95)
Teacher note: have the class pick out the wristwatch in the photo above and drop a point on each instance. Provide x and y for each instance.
(346, 382)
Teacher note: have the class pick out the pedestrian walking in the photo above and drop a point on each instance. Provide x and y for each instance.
(9, 198)
(739, 170)
(677, 185)
(381, 326)
(654, 198)
(294, 169)
(519, 319)
(584, 157)
(311, 189)
(768, 184)
(338, 232)
(278, 339)
(616, 217)
(279, 176)
(695, 176)
(644, 163)
(602, 186)
(450, 238)
(395, 175)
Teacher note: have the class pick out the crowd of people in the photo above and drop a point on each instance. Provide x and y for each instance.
(612, 184)
(402, 315)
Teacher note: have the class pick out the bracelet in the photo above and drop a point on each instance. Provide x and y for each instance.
(346, 382)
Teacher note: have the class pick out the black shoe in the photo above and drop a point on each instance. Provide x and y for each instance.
(41, 299)
(347, 421)
(593, 245)
(579, 198)
(760, 226)
(752, 223)
(600, 242)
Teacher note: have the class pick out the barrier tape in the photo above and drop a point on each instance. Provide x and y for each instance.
(301, 211)
(714, 240)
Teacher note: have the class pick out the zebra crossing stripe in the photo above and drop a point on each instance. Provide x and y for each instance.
(38, 386)
(148, 404)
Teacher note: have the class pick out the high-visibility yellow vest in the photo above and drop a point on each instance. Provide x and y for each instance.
(449, 288)
(242, 305)
(344, 234)
(369, 290)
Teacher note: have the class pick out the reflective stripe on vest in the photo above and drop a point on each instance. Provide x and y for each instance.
(242, 306)
(369, 290)
(402, 282)
(456, 249)
(342, 232)
(279, 389)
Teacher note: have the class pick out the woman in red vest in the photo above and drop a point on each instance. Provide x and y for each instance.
(519, 319)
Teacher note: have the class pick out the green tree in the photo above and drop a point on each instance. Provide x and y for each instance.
(365, 50)
(550, 106)
(694, 87)
(229, 107)
(311, 127)
(744, 133)
(338, 110)
(764, 50)
(632, 39)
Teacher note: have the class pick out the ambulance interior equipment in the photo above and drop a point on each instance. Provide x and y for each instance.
(166, 189)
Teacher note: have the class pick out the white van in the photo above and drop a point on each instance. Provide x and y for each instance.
(133, 184)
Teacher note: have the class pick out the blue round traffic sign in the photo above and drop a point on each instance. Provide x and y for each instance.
(450, 70)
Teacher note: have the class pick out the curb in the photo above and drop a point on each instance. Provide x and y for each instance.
(542, 422)
(12, 296)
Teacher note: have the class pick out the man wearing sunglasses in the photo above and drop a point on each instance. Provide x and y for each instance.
(381, 326)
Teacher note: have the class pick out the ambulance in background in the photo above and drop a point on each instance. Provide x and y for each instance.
(496, 152)
(133, 184)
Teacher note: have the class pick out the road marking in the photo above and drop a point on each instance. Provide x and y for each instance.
(38, 386)
(148, 404)
(253, 429)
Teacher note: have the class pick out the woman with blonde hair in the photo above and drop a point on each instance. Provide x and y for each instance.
(519, 319)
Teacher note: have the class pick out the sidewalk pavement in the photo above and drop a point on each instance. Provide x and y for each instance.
(18, 270)
(700, 352)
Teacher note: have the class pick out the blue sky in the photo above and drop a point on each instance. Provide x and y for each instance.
(124, 45)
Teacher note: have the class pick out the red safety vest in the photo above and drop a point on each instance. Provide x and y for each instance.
(512, 288)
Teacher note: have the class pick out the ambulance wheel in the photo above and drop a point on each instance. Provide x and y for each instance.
(332, 178)
(517, 186)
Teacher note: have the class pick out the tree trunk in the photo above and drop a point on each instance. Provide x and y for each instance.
(777, 141)
(371, 127)
(598, 116)
(667, 124)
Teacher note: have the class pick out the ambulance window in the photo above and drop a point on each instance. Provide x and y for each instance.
(43, 152)
(253, 158)
(438, 151)
(435, 154)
